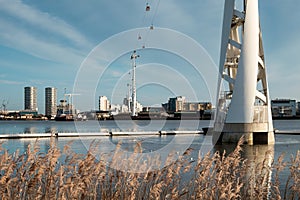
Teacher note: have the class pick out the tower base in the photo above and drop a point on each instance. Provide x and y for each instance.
(254, 133)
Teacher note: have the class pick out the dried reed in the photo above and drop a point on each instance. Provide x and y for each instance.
(36, 175)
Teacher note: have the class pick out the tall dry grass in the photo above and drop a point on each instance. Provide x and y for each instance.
(67, 175)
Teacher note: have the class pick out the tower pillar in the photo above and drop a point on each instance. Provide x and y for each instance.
(243, 107)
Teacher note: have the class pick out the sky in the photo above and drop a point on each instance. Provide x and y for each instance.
(85, 47)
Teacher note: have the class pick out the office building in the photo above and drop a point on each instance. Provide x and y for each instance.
(50, 101)
(30, 101)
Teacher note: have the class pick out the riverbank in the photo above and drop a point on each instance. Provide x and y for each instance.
(134, 118)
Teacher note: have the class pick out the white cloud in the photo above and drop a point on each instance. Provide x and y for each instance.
(43, 20)
(17, 38)
(9, 82)
(27, 29)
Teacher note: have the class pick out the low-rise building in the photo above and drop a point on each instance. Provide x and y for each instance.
(179, 104)
(139, 107)
(115, 109)
(283, 108)
(197, 106)
(153, 113)
(28, 114)
(176, 104)
(298, 109)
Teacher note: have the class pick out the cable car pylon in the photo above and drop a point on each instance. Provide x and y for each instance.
(243, 107)
(133, 57)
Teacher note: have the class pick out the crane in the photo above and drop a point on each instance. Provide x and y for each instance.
(4, 105)
(70, 101)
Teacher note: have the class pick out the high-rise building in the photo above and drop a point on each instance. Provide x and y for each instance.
(50, 101)
(30, 102)
(104, 104)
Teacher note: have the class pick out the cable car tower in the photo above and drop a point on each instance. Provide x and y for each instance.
(243, 105)
(133, 57)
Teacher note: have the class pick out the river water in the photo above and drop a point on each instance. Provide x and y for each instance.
(288, 144)
(163, 145)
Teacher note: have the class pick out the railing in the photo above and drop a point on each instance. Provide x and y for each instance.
(260, 114)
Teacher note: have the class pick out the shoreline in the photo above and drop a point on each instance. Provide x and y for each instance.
(139, 118)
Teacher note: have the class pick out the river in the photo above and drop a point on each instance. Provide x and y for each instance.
(163, 145)
(288, 144)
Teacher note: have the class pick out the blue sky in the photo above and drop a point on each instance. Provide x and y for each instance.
(48, 43)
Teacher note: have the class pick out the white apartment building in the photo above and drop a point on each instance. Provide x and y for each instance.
(104, 104)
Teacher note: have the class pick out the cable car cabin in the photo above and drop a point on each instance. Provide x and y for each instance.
(147, 7)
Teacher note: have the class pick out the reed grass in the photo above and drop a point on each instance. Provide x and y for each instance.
(66, 175)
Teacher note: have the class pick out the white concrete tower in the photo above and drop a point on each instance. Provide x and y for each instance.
(134, 56)
(243, 104)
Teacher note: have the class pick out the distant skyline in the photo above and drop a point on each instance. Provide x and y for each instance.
(44, 44)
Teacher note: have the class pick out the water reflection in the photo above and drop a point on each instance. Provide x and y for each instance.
(148, 143)
(30, 129)
(50, 129)
(259, 159)
(259, 173)
(43, 144)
